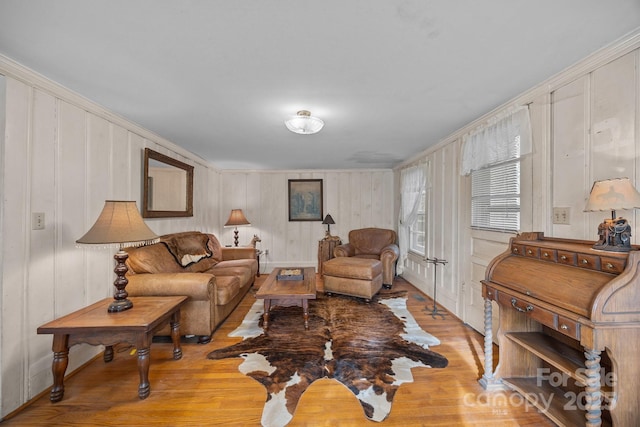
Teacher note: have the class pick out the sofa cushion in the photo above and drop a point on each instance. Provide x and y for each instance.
(239, 268)
(227, 287)
(187, 248)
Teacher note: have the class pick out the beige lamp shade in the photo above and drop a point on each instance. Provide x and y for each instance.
(121, 225)
(236, 218)
(613, 194)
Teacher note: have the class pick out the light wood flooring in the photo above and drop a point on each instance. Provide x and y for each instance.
(196, 391)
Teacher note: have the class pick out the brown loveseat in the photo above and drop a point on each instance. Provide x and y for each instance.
(194, 264)
(373, 243)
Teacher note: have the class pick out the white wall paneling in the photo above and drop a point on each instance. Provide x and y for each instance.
(355, 199)
(585, 125)
(64, 156)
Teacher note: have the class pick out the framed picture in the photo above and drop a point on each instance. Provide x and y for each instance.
(305, 200)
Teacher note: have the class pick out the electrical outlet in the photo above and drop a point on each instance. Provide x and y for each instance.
(37, 220)
(561, 216)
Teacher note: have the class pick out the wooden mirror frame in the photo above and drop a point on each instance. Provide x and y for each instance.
(149, 213)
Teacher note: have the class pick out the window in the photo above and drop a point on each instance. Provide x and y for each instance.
(495, 197)
(417, 230)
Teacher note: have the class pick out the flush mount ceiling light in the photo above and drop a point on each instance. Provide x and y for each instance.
(304, 123)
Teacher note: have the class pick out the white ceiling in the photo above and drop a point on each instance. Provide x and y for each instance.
(388, 77)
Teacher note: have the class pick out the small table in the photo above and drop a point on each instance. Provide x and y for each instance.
(288, 293)
(94, 325)
(325, 250)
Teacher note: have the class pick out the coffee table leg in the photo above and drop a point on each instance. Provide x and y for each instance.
(305, 313)
(265, 316)
(59, 365)
(144, 389)
(175, 335)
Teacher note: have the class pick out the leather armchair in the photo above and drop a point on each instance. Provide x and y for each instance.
(373, 243)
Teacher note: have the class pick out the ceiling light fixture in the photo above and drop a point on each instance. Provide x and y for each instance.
(304, 123)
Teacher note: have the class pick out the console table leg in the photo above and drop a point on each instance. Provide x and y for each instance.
(175, 335)
(59, 366)
(144, 360)
(593, 394)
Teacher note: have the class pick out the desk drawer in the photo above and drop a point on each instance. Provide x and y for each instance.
(533, 311)
(568, 327)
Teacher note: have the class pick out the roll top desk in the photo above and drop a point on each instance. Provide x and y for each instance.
(569, 332)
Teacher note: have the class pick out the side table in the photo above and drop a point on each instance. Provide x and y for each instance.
(96, 326)
(325, 250)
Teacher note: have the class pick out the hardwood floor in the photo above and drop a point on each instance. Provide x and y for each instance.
(196, 391)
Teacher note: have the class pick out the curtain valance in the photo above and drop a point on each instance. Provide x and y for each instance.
(506, 139)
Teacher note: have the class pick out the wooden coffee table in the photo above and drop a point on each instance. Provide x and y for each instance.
(288, 293)
(96, 326)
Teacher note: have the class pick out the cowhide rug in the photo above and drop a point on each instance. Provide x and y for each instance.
(370, 348)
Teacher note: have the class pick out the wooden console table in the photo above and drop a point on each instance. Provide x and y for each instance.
(94, 325)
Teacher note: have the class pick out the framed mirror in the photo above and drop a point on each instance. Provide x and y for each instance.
(168, 186)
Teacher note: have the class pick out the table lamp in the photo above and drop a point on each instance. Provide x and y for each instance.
(328, 220)
(119, 225)
(236, 218)
(611, 195)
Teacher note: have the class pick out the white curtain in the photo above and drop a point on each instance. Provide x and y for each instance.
(412, 185)
(506, 139)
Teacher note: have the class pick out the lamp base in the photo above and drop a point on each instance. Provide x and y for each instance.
(120, 301)
(614, 236)
(119, 305)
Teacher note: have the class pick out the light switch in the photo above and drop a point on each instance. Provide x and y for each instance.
(561, 216)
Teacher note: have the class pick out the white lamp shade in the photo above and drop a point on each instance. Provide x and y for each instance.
(613, 194)
(303, 123)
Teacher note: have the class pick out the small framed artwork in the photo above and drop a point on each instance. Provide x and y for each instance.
(305, 200)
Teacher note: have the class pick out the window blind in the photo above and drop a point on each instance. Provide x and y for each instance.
(495, 197)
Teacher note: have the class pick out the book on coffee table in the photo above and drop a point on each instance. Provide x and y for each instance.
(290, 274)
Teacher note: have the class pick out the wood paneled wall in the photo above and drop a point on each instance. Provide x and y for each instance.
(585, 125)
(64, 156)
(355, 199)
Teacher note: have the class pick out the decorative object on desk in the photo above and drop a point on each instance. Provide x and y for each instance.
(328, 220)
(290, 274)
(119, 225)
(610, 195)
(343, 333)
(304, 123)
(305, 200)
(236, 219)
(435, 261)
